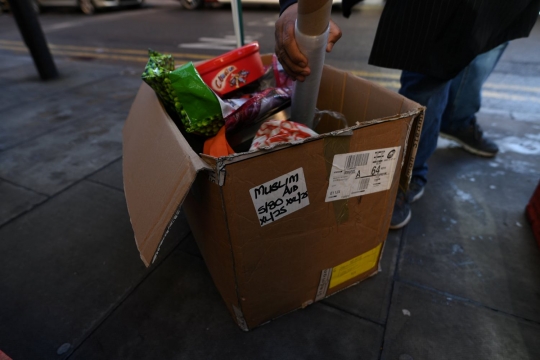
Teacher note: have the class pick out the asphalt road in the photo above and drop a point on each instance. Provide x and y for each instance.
(123, 36)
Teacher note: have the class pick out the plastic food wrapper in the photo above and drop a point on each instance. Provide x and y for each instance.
(258, 107)
(184, 93)
(198, 106)
(331, 114)
(281, 77)
(273, 132)
(156, 75)
(276, 94)
(218, 146)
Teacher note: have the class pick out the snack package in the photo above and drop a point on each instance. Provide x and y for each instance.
(183, 92)
(198, 106)
(282, 79)
(232, 70)
(259, 106)
(218, 146)
(273, 132)
(273, 95)
(156, 75)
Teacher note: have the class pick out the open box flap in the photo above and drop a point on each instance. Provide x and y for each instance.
(159, 168)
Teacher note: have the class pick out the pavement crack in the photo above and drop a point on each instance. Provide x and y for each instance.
(123, 298)
(23, 187)
(106, 185)
(50, 197)
(333, 306)
(395, 278)
(464, 300)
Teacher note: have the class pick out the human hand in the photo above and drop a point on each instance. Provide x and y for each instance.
(287, 51)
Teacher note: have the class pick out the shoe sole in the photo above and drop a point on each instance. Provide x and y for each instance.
(403, 223)
(468, 147)
(418, 196)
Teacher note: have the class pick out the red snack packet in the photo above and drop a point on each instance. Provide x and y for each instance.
(274, 132)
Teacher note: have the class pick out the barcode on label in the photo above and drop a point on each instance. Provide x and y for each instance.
(363, 184)
(352, 161)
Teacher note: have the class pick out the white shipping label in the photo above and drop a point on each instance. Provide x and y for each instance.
(280, 197)
(361, 173)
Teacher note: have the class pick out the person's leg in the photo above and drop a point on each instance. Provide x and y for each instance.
(432, 93)
(459, 119)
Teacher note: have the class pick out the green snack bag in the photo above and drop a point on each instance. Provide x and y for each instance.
(155, 74)
(197, 105)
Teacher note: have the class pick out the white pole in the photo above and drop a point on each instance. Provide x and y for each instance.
(236, 6)
(305, 93)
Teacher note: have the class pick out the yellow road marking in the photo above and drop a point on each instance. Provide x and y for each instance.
(90, 55)
(384, 75)
(507, 96)
(487, 94)
(100, 50)
(512, 87)
(83, 54)
(133, 55)
(370, 74)
(388, 84)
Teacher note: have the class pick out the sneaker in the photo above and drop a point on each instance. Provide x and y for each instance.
(473, 140)
(416, 189)
(402, 211)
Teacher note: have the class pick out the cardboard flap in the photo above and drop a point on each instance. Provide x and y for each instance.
(159, 168)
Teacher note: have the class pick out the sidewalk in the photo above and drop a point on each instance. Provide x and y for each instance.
(462, 281)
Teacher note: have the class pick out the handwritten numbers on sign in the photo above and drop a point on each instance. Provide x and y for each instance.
(280, 197)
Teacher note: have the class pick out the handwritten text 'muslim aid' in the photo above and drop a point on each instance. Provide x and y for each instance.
(280, 197)
(278, 185)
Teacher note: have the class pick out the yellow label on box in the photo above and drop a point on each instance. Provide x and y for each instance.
(354, 267)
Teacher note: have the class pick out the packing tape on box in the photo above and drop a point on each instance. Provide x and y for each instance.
(334, 145)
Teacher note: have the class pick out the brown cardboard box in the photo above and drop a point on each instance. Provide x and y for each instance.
(270, 239)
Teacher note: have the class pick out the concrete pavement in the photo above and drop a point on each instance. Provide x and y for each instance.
(461, 281)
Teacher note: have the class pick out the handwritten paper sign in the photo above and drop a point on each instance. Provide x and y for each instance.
(280, 197)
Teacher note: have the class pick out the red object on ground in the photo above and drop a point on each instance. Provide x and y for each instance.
(533, 213)
(232, 70)
(217, 146)
(4, 356)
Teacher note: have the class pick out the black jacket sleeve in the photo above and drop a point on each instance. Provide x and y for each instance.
(346, 6)
(283, 4)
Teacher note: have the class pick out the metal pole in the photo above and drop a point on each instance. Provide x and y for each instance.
(238, 22)
(34, 39)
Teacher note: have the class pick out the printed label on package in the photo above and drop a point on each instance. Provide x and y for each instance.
(280, 197)
(361, 173)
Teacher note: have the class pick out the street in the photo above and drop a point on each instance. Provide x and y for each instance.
(461, 281)
(124, 36)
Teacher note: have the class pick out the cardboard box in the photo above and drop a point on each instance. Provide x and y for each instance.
(271, 225)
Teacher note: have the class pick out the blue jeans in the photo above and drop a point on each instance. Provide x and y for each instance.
(450, 104)
(464, 98)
